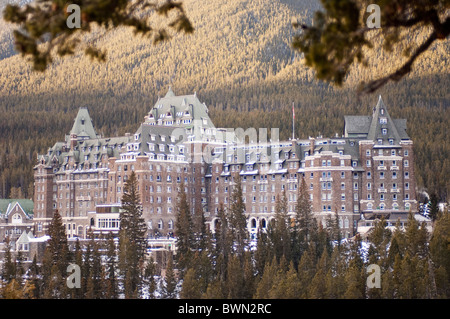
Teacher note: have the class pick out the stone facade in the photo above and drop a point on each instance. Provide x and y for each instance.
(367, 172)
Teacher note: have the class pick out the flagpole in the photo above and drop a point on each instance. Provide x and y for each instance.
(293, 123)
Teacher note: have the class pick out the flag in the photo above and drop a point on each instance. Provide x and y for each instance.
(293, 113)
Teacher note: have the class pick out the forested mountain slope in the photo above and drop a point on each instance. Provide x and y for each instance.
(239, 61)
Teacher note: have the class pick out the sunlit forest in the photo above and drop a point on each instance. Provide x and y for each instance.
(239, 61)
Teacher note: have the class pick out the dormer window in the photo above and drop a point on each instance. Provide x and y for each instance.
(384, 131)
(383, 120)
(391, 141)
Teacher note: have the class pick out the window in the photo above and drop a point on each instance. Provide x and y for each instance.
(384, 131)
(406, 163)
(406, 152)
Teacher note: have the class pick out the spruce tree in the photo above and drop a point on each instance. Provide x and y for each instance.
(184, 231)
(238, 219)
(132, 240)
(9, 264)
(223, 243)
(169, 287)
(305, 227)
(281, 229)
(111, 265)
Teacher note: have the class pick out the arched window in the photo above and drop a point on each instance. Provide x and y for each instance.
(170, 224)
(253, 223)
(346, 223)
(263, 223)
(160, 224)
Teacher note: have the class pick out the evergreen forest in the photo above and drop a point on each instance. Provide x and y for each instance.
(294, 258)
(240, 62)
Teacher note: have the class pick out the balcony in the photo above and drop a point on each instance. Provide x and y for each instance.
(381, 168)
(263, 182)
(83, 198)
(326, 179)
(394, 168)
(382, 190)
(395, 190)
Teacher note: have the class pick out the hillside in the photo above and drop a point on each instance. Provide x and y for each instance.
(240, 63)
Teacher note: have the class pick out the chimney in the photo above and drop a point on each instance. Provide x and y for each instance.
(73, 141)
(312, 145)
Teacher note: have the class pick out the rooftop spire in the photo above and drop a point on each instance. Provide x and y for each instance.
(170, 92)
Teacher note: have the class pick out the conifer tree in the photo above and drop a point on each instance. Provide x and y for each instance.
(169, 287)
(223, 242)
(184, 231)
(191, 286)
(9, 264)
(149, 277)
(111, 263)
(235, 278)
(440, 255)
(132, 241)
(267, 280)
(305, 224)
(318, 287)
(238, 219)
(281, 229)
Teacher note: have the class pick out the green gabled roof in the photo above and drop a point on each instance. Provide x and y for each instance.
(82, 125)
(375, 130)
(7, 204)
(181, 103)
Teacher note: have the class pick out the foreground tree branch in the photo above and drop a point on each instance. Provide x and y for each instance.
(336, 40)
(43, 25)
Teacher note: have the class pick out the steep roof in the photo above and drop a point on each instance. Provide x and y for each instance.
(7, 204)
(378, 126)
(173, 107)
(82, 125)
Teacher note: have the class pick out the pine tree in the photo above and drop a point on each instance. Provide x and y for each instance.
(56, 260)
(238, 219)
(440, 255)
(191, 286)
(184, 231)
(149, 277)
(267, 280)
(223, 243)
(111, 263)
(169, 287)
(132, 241)
(318, 287)
(281, 229)
(9, 264)
(235, 278)
(305, 230)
